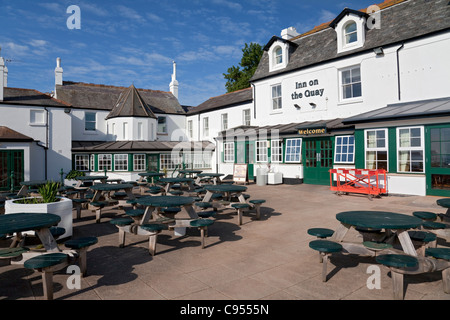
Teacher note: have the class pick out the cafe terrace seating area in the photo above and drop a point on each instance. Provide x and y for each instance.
(197, 236)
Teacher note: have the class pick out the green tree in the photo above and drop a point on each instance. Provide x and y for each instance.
(238, 77)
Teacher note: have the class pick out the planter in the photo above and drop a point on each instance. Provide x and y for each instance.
(62, 208)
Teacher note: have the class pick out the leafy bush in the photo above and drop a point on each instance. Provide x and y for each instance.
(74, 173)
(49, 192)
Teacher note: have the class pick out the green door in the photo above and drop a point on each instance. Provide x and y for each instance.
(245, 154)
(317, 160)
(437, 151)
(11, 163)
(152, 163)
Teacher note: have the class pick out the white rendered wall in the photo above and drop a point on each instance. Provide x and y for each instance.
(78, 125)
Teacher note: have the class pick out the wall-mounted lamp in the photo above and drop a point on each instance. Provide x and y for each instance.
(67, 110)
(378, 51)
(312, 104)
(297, 106)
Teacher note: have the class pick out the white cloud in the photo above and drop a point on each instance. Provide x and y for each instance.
(229, 4)
(38, 43)
(130, 14)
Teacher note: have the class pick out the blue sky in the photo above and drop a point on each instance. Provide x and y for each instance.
(125, 42)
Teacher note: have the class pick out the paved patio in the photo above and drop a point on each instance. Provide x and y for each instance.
(266, 259)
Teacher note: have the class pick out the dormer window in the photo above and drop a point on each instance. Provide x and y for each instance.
(278, 52)
(350, 33)
(350, 29)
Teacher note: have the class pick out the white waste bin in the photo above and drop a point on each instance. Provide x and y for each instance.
(261, 176)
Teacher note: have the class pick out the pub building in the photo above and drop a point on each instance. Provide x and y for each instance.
(368, 90)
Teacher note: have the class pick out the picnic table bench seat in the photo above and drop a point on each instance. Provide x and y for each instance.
(47, 264)
(321, 233)
(425, 215)
(81, 246)
(441, 253)
(325, 248)
(397, 263)
(78, 204)
(257, 206)
(135, 212)
(154, 229)
(240, 207)
(433, 225)
(10, 254)
(99, 205)
(203, 205)
(176, 192)
(207, 214)
(202, 224)
(376, 246)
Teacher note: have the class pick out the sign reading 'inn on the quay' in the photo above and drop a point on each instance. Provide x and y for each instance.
(308, 92)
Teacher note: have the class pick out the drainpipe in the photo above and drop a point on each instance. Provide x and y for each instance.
(217, 156)
(398, 71)
(46, 143)
(254, 100)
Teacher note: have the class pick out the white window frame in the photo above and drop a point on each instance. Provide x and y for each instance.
(261, 151)
(162, 125)
(376, 149)
(206, 127)
(82, 161)
(92, 162)
(288, 152)
(100, 164)
(278, 55)
(351, 84)
(246, 117)
(411, 149)
(347, 152)
(190, 129)
(139, 162)
(86, 121)
(276, 99)
(228, 152)
(169, 161)
(124, 157)
(37, 121)
(224, 121)
(345, 35)
(276, 151)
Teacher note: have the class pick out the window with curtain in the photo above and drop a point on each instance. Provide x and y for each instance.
(344, 149)
(82, 162)
(293, 150)
(278, 56)
(376, 148)
(276, 150)
(104, 162)
(206, 127)
(246, 117)
(120, 162)
(224, 121)
(162, 125)
(89, 121)
(410, 148)
(138, 162)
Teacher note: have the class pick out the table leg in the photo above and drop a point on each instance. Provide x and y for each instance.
(208, 196)
(23, 191)
(340, 232)
(129, 193)
(147, 214)
(191, 211)
(406, 242)
(47, 240)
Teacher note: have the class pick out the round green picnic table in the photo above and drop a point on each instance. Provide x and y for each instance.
(222, 188)
(395, 224)
(165, 201)
(91, 178)
(171, 181)
(190, 172)
(33, 183)
(108, 187)
(210, 175)
(151, 175)
(378, 220)
(26, 221)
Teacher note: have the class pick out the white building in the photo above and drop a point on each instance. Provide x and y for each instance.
(368, 90)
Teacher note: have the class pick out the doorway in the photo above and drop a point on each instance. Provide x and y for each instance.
(438, 160)
(317, 160)
(11, 163)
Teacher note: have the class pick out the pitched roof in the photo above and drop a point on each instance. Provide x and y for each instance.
(401, 20)
(131, 104)
(82, 146)
(10, 135)
(104, 97)
(30, 97)
(223, 101)
(397, 111)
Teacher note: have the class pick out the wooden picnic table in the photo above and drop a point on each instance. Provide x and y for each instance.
(189, 173)
(215, 177)
(227, 190)
(26, 185)
(83, 179)
(395, 224)
(151, 175)
(39, 222)
(105, 188)
(171, 181)
(445, 203)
